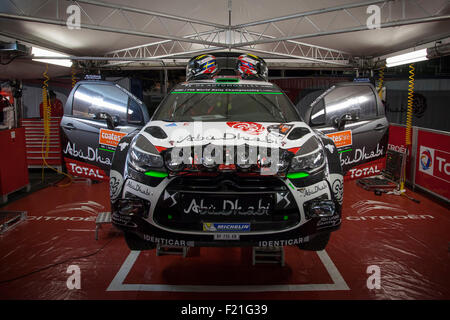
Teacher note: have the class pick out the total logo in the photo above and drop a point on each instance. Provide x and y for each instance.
(426, 159)
(81, 169)
(435, 163)
(364, 172)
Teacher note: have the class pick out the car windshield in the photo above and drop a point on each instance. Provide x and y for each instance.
(226, 103)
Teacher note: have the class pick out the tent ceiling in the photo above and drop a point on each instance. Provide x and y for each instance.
(314, 32)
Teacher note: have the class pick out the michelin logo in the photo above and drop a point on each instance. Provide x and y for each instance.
(226, 227)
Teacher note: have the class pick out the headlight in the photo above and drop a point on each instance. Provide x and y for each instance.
(143, 161)
(308, 162)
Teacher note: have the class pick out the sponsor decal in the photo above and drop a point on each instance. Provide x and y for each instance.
(328, 222)
(435, 163)
(364, 172)
(338, 190)
(227, 136)
(248, 127)
(279, 130)
(361, 155)
(110, 138)
(167, 195)
(398, 217)
(229, 207)
(90, 155)
(226, 227)
(283, 196)
(138, 189)
(432, 163)
(309, 191)
(342, 138)
(81, 169)
(164, 241)
(281, 243)
(173, 124)
(426, 160)
(115, 184)
(398, 148)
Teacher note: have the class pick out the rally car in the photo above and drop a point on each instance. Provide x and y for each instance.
(226, 160)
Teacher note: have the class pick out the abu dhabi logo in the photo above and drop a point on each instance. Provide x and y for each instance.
(426, 160)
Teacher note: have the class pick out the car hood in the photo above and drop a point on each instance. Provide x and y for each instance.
(269, 134)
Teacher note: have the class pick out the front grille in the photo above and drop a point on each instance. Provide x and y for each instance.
(264, 202)
(227, 182)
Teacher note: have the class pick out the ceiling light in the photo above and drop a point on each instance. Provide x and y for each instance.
(38, 52)
(407, 58)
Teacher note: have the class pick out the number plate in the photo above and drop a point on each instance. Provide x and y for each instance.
(226, 236)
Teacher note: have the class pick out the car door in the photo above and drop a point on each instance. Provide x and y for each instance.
(353, 116)
(96, 116)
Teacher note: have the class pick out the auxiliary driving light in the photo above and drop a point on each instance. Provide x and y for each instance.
(130, 207)
(209, 161)
(174, 165)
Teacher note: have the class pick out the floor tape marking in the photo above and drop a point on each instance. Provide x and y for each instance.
(118, 285)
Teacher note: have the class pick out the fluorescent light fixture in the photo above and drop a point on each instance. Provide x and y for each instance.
(407, 58)
(38, 52)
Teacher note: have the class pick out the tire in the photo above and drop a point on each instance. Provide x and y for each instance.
(318, 243)
(137, 244)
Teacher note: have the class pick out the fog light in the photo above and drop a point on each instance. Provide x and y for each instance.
(130, 207)
(321, 209)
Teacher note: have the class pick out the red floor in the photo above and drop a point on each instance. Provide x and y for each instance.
(409, 242)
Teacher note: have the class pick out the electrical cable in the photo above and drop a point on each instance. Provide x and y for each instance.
(74, 79)
(56, 264)
(10, 60)
(408, 122)
(410, 104)
(54, 169)
(46, 139)
(46, 113)
(380, 82)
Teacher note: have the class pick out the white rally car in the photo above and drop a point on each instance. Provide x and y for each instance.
(226, 161)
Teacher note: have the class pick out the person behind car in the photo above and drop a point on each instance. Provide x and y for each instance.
(4, 102)
(56, 106)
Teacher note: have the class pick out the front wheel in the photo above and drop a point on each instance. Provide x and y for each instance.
(317, 243)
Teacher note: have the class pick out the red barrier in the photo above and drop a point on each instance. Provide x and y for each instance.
(433, 162)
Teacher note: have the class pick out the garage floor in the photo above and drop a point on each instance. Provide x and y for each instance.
(409, 242)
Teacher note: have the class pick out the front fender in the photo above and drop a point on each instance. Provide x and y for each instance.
(336, 173)
(117, 173)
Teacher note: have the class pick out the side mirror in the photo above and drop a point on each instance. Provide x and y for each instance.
(339, 122)
(111, 121)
